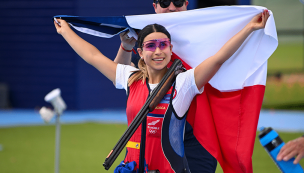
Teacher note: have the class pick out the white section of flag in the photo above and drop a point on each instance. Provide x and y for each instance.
(92, 32)
(199, 34)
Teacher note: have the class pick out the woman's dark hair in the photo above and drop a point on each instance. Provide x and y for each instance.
(150, 29)
(142, 74)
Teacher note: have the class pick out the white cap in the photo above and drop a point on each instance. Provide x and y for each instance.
(46, 114)
(55, 99)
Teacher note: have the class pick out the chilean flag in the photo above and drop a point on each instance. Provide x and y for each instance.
(225, 116)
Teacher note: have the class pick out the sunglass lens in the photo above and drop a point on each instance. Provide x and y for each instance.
(164, 3)
(163, 45)
(150, 46)
(153, 44)
(178, 3)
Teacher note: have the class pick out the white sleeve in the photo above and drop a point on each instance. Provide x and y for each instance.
(186, 90)
(123, 73)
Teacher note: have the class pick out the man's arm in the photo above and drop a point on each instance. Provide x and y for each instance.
(291, 149)
(124, 53)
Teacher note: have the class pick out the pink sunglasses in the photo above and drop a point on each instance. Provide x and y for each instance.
(151, 45)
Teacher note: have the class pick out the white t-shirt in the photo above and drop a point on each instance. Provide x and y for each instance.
(185, 87)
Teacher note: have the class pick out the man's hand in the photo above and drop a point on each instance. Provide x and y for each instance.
(291, 149)
(127, 42)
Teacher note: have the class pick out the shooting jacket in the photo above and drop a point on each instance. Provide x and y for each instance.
(164, 132)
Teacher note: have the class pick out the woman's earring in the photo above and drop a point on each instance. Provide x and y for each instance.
(171, 53)
(142, 57)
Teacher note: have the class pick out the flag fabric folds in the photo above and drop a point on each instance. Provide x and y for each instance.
(106, 27)
(225, 117)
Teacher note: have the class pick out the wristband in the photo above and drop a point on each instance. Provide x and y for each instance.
(125, 49)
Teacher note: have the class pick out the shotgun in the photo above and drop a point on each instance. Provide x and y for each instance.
(156, 96)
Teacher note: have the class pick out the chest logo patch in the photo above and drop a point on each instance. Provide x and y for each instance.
(154, 126)
(153, 123)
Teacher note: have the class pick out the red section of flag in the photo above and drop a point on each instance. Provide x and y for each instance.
(225, 123)
(174, 56)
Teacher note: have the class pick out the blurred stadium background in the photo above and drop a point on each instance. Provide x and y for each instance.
(34, 60)
(284, 88)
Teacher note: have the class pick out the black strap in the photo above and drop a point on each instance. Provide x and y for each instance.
(141, 166)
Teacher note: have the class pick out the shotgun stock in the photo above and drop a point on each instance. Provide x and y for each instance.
(155, 97)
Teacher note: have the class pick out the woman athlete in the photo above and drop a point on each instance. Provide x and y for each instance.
(155, 49)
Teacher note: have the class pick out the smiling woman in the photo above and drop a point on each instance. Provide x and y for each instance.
(154, 47)
(155, 51)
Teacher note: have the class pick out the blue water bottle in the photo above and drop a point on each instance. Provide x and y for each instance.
(272, 143)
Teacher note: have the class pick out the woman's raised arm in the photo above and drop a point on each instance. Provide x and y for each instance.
(207, 69)
(87, 51)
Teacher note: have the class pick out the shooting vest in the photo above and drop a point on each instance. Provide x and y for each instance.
(164, 132)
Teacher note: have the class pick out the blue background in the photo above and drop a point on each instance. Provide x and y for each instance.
(34, 59)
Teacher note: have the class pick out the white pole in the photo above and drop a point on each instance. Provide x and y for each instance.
(54, 97)
(57, 144)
